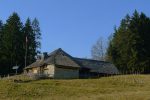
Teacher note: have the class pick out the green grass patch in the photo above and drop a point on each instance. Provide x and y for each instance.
(127, 87)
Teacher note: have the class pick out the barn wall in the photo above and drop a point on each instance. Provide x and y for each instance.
(49, 70)
(35, 70)
(62, 73)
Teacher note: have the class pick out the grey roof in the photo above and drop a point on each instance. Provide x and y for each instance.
(57, 57)
(35, 64)
(97, 66)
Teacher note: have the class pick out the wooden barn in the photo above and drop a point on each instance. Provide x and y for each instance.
(61, 65)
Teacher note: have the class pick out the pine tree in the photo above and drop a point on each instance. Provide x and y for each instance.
(129, 48)
(1, 34)
(32, 32)
(1, 27)
(31, 43)
(37, 32)
(12, 41)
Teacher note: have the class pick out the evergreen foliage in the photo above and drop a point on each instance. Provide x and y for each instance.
(1, 35)
(129, 49)
(37, 32)
(13, 44)
(30, 36)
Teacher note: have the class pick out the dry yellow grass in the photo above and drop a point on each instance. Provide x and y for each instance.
(125, 87)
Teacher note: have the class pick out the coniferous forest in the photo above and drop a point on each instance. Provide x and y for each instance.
(129, 47)
(16, 38)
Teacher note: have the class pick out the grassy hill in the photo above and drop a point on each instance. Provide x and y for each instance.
(127, 87)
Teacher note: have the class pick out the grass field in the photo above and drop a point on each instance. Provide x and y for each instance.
(127, 87)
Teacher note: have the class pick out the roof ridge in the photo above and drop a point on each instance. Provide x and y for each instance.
(59, 52)
(91, 59)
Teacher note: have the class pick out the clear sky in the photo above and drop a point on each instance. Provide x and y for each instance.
(73, 25)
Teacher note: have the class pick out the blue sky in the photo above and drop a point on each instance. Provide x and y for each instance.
(73, 25)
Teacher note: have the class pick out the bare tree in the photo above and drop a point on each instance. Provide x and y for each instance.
(98, 50)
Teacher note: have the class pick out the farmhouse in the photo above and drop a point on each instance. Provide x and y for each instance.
(59, 65)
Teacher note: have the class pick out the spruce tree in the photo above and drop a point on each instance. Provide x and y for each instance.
(129, 48)
(1, 27)
(1, 35)
(13, 39)
(12, 42)
(37, 32)
(31, 43)
(33, 35)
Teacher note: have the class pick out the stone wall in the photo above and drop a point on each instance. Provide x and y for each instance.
(50, 69)
(35, 70)
(55, 72)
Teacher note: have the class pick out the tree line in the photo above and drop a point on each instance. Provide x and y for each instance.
(128, 48)
(16, 38)
(129, 45)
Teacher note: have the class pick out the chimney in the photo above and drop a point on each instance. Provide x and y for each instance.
(45, 55)
(42, 56)
(38, 57)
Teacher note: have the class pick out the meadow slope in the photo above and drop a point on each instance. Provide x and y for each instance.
(126, 87)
